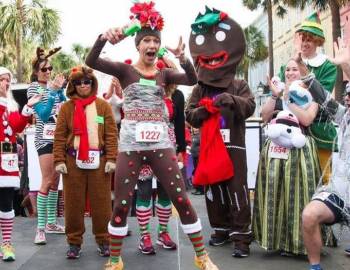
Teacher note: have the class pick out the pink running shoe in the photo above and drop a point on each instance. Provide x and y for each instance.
(40, 238)
(55, 228)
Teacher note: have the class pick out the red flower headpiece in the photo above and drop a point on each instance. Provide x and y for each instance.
(148, 15)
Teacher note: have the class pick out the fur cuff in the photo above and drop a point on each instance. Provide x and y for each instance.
(192, 228)
(7, 215)
(3, 101)
(119, 231)
(27, 111)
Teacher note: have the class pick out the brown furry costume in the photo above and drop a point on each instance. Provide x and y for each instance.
(77, 183)
(217, 45)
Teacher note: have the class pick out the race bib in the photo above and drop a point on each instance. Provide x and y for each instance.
(9, 162)
(49, 131)
(276, 151)
(225, 133)
(148, 132)
(93, 162)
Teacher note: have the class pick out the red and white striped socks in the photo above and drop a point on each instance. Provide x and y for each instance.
(60, 212)
(6, 224)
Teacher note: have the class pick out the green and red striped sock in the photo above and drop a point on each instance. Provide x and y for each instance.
(116, 245)
(197, 242)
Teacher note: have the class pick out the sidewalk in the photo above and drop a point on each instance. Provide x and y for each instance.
(52, 255)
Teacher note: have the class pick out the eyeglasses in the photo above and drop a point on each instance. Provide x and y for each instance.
(82, 82)
(45, 69)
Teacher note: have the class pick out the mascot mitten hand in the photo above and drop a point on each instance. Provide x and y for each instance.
(202, 113)
(223, 100)
(110, 167)
(61, 168)
(318, 93)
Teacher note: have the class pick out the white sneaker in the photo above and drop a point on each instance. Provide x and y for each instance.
(54, 228)
(40, 238)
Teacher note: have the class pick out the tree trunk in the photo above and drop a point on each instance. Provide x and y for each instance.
(334, 7)
(19, 69)
(246, 74)
(270, 25)
(19, 40)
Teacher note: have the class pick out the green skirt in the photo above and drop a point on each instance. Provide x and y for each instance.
(283, 188)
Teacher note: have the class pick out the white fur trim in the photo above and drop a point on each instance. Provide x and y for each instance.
(119, 231)
(317, 61)
(192, 228)
(7, 215)
(9, 181)
(3, 101)
(4, 70)
(143, 208)
(27, 111)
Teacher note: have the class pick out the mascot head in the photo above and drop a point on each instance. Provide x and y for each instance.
(217, 45)
(284, 130)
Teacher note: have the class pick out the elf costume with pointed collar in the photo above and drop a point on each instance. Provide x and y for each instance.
(322, 129)
(220, 103)
(85, 131)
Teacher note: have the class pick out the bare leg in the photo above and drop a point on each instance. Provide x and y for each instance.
(315, 214)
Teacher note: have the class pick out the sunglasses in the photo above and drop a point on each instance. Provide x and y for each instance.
(82, 82)
(45, 69)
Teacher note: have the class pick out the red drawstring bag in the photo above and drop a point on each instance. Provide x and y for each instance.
(214, 163)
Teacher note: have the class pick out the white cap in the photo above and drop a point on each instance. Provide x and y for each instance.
(4, 70)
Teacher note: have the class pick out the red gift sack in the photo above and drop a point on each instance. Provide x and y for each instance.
(214, 163)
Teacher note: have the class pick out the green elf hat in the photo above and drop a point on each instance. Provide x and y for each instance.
(204, 21)
(312, 24)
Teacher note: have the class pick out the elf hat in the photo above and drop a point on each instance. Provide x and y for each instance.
(312, 24)
(150, 19)
(78, 73)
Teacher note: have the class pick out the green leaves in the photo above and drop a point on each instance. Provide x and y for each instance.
(27, 21)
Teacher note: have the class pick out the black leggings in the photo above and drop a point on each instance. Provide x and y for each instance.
(6, 199)
(163, 163)
(145, 192)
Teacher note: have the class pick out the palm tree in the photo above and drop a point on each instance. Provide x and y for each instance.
(80, 52)
(256, 50)
(280, 11)
(8, 58)
(21, 21)
(63, 62)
